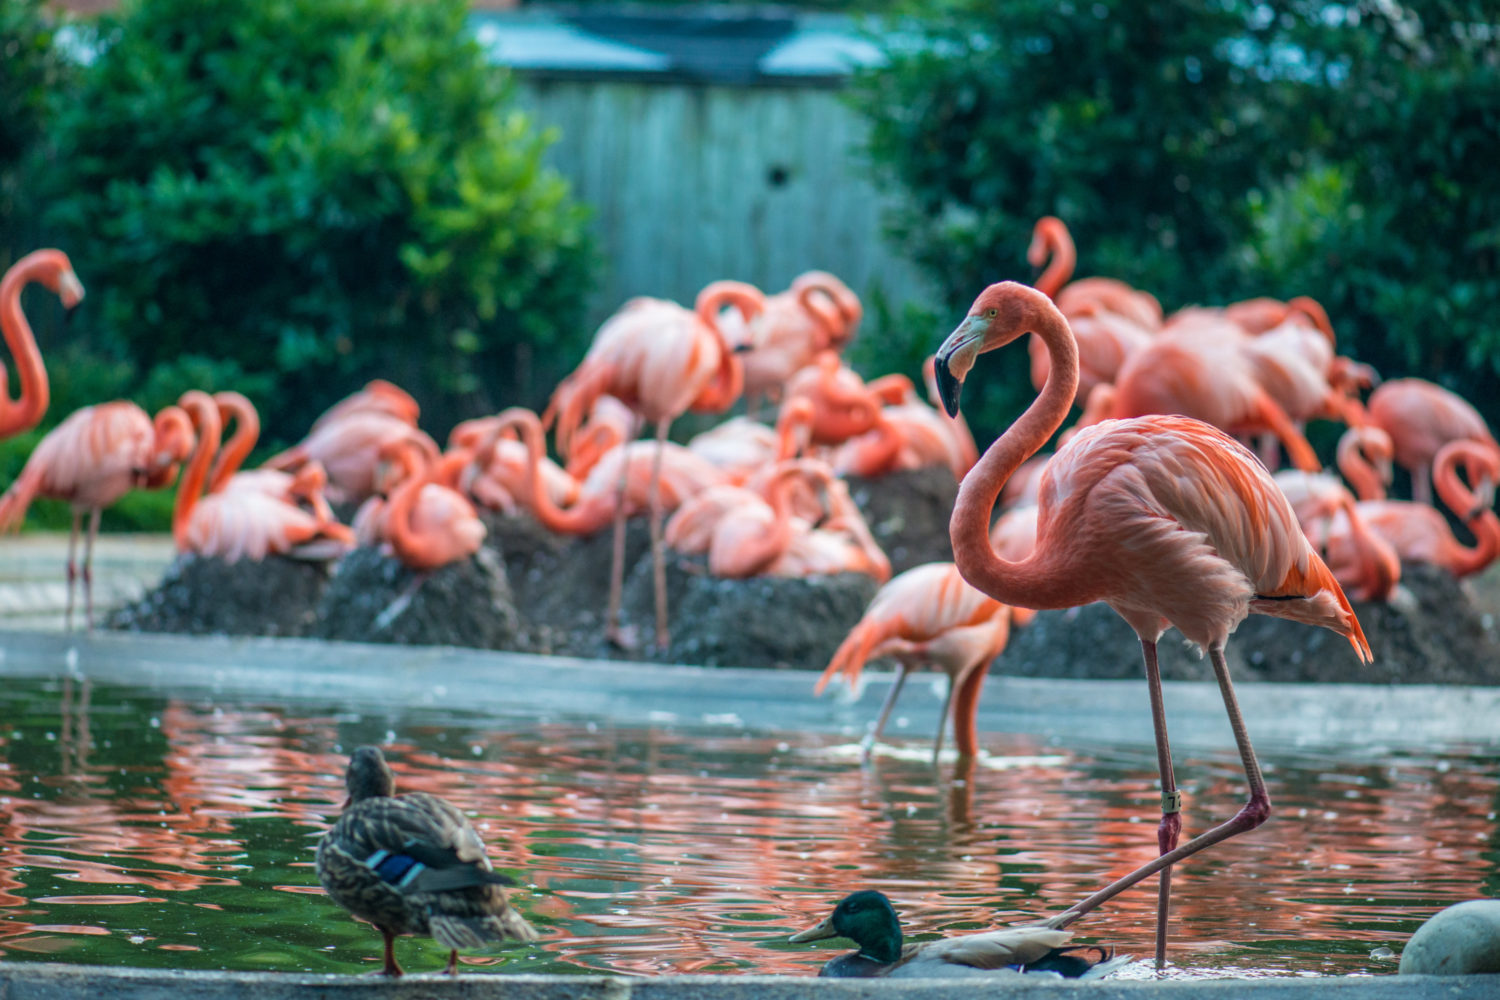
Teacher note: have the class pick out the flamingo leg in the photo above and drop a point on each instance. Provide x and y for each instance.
(867, 745)
(1421, 484)
(937, 739)
(1250, 816)
(658, 554)
(391, 968)
(1171, 799)
(966, 708)
(617, 560)
(88, 567)
(72, 568)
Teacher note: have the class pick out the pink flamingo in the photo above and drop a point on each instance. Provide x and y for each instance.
(928, 615)
(1420, 533)
(496, 478)
(256, 518)
(1365, 565)
(843, 404)
(52, 270)
(743, 531)
(818, 313)
(1167, 519)
(378, 396)
(1052, 244)
(90, 460)
(348, 448)
(1365, 455)
(661, 360)
(427, 522)
(842, 543)
(1421, 417)
(1204, 377)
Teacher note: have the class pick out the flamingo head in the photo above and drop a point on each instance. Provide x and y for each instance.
(997, 317)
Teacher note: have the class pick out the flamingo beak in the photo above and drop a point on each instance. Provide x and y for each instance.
(744, 348)
(823, 929)
(955, 358)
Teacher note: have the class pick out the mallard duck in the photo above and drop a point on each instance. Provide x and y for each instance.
(868, 919)
(412, 864)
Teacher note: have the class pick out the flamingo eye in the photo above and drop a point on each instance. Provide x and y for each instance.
(992, 312)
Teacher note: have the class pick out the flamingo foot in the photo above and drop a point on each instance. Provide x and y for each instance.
(626, 638)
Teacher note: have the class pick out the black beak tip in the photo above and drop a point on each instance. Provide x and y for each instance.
(949, 387)
(741, 349)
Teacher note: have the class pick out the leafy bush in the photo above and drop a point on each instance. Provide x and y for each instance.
(31, 66)
(1209, 152)
(311, 193)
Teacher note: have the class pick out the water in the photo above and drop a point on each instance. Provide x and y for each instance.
(138, 829)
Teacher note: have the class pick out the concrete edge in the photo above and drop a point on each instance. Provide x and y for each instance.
(1366, 718)
(49, 981)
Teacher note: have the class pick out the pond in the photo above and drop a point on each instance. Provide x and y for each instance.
(147, 829)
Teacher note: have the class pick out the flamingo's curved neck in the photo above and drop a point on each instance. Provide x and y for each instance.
(774, 541)
(1051, 237)
(729, 380)
(1379, 565)
(205, 416)
(1463, 560)
(569, 520)
(33, 392)
(1027, 583)
(409, 545)
(793, 427)
(237, 449)
(1358, 469)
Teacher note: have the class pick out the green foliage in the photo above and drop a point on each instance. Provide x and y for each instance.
(30, 67)
(1209, 152)
(311, 193)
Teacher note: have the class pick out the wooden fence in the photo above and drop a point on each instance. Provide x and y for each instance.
(692, 183)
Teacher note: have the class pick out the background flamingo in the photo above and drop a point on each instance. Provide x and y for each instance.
(817, 313)
(661, 360)
(348, 445)
(1421, 417)
(52, 270)
(1167, 519)
(927, 616)
(256, 519)
(90, 460)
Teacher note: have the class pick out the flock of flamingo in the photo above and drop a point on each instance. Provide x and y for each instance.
(1150, 504)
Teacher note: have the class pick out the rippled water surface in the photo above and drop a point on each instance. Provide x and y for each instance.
(145, 830)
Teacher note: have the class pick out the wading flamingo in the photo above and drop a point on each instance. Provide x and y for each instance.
(927, 616)
(50, 269)
(1421, 417)
(255, 518)
(91, 459)
(1167, 519)
(661, 360)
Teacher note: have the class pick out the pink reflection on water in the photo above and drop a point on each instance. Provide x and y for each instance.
(652, 851)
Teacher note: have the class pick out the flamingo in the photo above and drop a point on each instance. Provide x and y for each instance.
(1365, 565)
(52, 270)
(378, 396)
(928, 615)
(662, 360)
(496, 477)
(427, 523)
(1365, 454)
(348, 448)
(255, 518)
(1421, 417)
(91, 459)
(1420, 533)
(743, 531)
(817, 313)
(1205, 377)
(1167, 519)
(841, 544)
(843, 404)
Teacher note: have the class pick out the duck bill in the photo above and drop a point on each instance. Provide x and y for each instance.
(954, 360)
(819, 931)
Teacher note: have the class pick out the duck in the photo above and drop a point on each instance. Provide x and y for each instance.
(413, 864)
(869, 920)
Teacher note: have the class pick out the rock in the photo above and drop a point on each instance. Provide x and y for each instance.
(765, 621)
(1463, 939)
(201, 595)
(374, 598)
(908, 514)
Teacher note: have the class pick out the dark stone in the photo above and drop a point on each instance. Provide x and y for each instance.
(375, 598)
(908, 514)
(201, 595)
